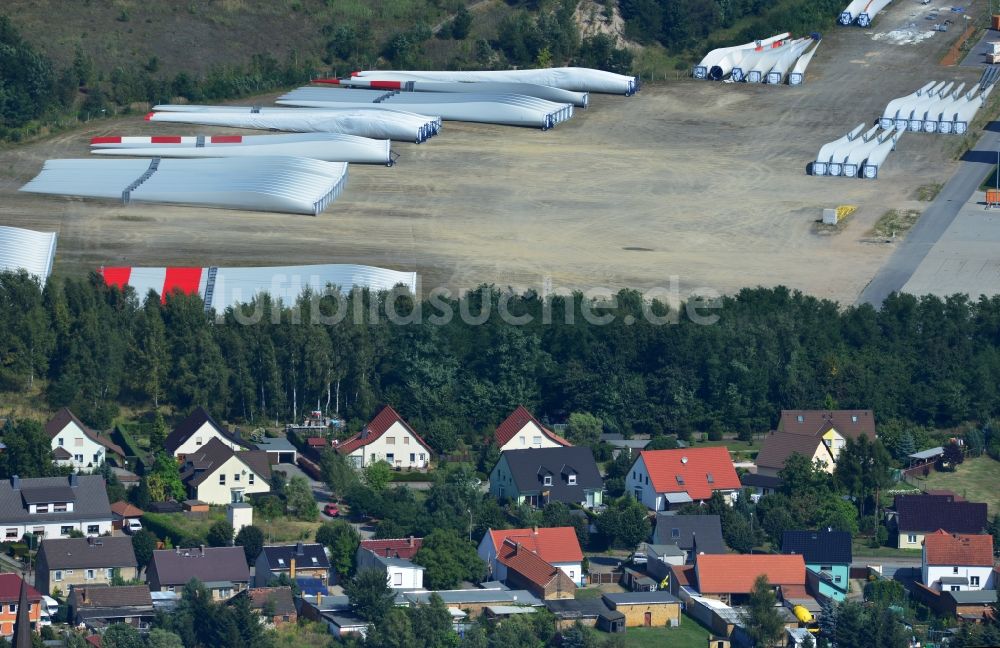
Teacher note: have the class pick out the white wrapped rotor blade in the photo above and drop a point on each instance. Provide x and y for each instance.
(331, 147)
(878, 155)
(567, 78)
(345, 95)
(701, 71)
(28, 250)
(870, 10)
(557, 95)
(918, 108)
(840, 154)
(893, 115)
(933, 118)
(851, 12)
(966, 112)
(782, 65)
(798, 74)
(278, 184)
(763, 64)
(822, 164)
(370, 121)
(856, 158)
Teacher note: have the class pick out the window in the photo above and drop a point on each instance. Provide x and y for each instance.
(647, 480)
(911, 538)
(413, 457)
(41, 508)
(826, 568)
(170, 588)
(58, 575)
(62, 441)
(800, 418)
(954, 588)
(390, 457)
(571, 479)
(78, 442)
(854, 418)
(954, 570)
(422, 456)
(390, 440)
(93, 529)
(109, 573)
(65, 530)
(197, 440)
(537, 440)
(572, 575)
(78, 458)
(12, 608)
(675, 533)
(547, 480)
(251, 478)
(974, 581)
(236, 477)
(97, 457)
(11, 534)
(59, 507)
(225, 592)
(397, 579)
(523, 441)
(406, 440)
(222, 479)
(91, 574)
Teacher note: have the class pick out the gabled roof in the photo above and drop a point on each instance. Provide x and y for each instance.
(529, 467)
(126, 510)
(517, 420)
(690, 532)
(10, 589)
(756, 480)
(307, 556)
(89, 497)
(928, 513)
(201, 465)
(943, 548)
(207, 564)
(736, 573)
(405, 548)
(190, 425)
(279, 597)
(64, 417)
(379, 425)
(822, 547)
(779, 446)
(104, 552)
(700, 471)
(103, 596)
(851, 424)
(553, 544)
(527, 563)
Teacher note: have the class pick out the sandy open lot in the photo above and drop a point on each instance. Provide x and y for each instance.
(700, 180)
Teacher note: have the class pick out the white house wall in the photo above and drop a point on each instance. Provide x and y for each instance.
(237, 476)
(405, 450)
(529, 436)
(639, 485)
(87, 454)
(200, 438)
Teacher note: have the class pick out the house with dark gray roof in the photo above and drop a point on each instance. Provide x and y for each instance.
(828, 558)
(694, 534)
(915, 516)
(589, 612)
(74, 444)
(538, 476)
(222, 570)
(196, 431)
(296, 561)
(72, 562)
(54, 507)
(98, 606)
(216, 474)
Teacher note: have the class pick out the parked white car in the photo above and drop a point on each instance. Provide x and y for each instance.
(132, 526)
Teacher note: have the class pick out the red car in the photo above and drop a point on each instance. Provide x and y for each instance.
(331, 509)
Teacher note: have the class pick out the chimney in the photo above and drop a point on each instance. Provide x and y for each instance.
(413, 542)
(300, 549)
(90, 540)
(319, 601)
(202, 547)
(291, 568)
(74, 480)
(15, 482)
(534, 530)
(83, 594)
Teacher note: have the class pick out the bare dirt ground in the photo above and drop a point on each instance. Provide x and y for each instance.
(701, 180)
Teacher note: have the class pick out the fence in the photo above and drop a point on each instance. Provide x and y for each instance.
(604, 578)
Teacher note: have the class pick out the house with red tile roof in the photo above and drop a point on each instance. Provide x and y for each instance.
(405, 548)
(10, 592)
(557, 546)
(667, 479)
(521, 430)
(957, 562)
(525, 569)
(387, 438)
(730, 577)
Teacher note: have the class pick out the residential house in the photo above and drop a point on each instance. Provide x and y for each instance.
(400, 573)
(10, 594)
(828, 558)
(525, 569)
(222, 570)
(405, 548)
(275, 605)
(646, 609)
(914, 516)
(957, 562)
(54, 507)
(122, 512)
(730, 577)
(387, 438)
(473, 601)
(521, 430)
(819, 435)
(592, 613)
(542, 475)
(693, 534)
(759, 485)
(98, 606)
(558, 546)
(299, 560)
(76, 445)
(216, 474)
(67, 562)
(665, 479)
(196, 431)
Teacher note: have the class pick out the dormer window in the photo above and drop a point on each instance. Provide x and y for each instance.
(547, 480)
(854, 418)
(800, 418)
(571, 479)
(281, 562)
(675, 533)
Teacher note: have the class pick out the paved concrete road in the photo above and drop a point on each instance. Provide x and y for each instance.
(935, 219)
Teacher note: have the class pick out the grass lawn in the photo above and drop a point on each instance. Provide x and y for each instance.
(584, 593)
(861, 548)
(976, 479)
(196, 526)
(690, 634)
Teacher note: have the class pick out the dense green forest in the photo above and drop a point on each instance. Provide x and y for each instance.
(921, 361)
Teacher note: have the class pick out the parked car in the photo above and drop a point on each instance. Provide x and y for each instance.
(331, 509)
(132, 526)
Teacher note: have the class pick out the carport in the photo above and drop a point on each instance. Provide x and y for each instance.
(279, 450)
